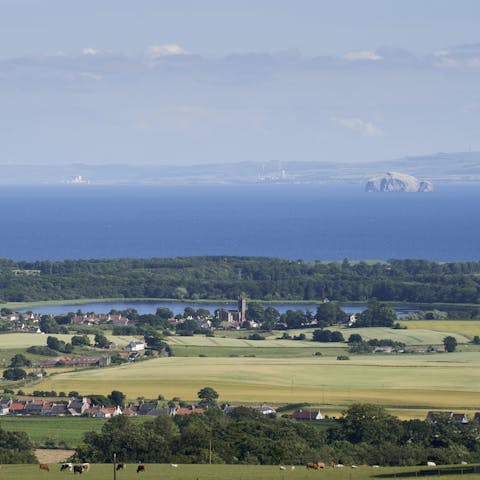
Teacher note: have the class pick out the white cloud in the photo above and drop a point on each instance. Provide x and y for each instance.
(365, 128)
(90, 51)
(166, 50)
(90, 76)
(362, 55)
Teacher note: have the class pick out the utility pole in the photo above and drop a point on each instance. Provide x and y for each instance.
(114, 466)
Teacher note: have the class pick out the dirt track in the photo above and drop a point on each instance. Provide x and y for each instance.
(52, 455)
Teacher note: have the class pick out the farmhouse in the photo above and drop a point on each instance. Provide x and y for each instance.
(135, 346)
(307, 415)
(434, 417)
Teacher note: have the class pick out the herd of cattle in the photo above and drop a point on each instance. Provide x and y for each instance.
(85, 467)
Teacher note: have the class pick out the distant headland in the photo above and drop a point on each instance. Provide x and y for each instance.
(397, 182)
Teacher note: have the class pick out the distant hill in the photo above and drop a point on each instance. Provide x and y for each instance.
(440, 167)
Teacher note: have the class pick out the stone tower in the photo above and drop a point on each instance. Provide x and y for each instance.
(242, 308)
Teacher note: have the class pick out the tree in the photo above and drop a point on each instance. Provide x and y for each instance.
(14, 374)
(164, 313)
(376, 315)
(48, 325)
(270, 318)
(208, 397)
(117, 398)
(101, 341)
(370, 424)
(80, 340)
(54, 343)
(329, 313)
(189, 312)
(255, 311)
(20, 360)
(327, 336)
(355, 338)
(450, 343)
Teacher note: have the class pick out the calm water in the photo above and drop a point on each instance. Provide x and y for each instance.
(179, 307)
(289, 221)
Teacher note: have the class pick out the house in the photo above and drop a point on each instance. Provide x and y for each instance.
(146, 407)
(107, 412)
(265, 410)
(77, 407)
(5, 406)
(189, 410)
(17, 408)
(33, 407)
(460, 418)
(59, 409)
(135, 346)
(307, 415)
(434, 417)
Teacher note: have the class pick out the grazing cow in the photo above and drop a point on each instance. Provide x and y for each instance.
(85, 467)
(141, 468)
(77, 469)
(121, 466)
(44, 466)
(66, 466)
(292, 467)
(282, 467)
(431, 464)
(339, 465)
(313, 465)
(331, 463)
(174, 465)
(321, 465)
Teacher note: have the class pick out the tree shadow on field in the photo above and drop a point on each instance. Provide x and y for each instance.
(456, 470)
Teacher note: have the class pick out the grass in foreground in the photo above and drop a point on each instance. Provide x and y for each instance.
(241, 472)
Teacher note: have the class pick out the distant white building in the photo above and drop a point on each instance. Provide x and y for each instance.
(135, 346)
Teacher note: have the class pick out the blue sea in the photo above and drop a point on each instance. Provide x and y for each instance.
(309, 222)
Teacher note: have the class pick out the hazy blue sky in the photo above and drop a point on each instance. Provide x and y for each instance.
(196, 81)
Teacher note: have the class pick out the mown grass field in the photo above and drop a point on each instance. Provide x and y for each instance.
(241, 472)
(401, 382)
(9, 341)
(63, 431)
(467, 328)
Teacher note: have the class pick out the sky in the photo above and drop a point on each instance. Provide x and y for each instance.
(216, 81)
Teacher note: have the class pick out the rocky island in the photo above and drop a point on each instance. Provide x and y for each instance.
(397, 182)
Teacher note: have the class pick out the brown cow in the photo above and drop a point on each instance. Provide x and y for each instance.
(121, 466)
(312, 465)
(77, 469)
(141, 468)
(44, 466)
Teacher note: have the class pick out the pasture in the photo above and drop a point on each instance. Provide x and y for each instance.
(400, 382)
(57, 431)
(9, 341)
(240, 472)
(467, 328)
(272, 347)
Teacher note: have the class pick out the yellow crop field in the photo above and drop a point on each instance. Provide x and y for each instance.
(402, 382)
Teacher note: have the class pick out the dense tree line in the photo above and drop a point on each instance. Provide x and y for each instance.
(226, 277)
(365, 434)
(16, 447)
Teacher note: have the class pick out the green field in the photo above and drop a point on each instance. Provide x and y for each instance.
(10, 341)
(467, 328)
(402, 382)
(65, 432)
(242, 472)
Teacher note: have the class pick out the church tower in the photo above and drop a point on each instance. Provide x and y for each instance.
(242, 308)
